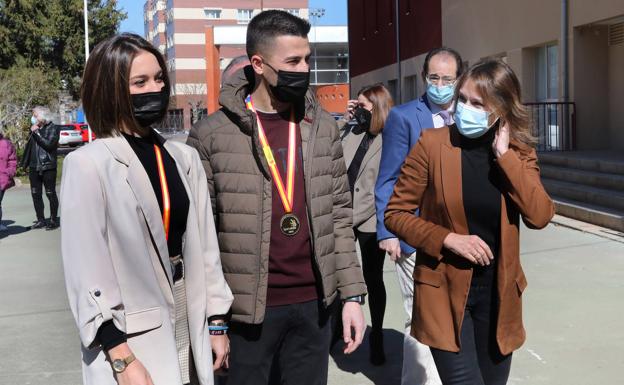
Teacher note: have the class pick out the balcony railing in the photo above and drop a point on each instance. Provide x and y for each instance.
(554, 125)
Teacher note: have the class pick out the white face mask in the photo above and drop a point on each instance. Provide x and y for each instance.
(33, 120)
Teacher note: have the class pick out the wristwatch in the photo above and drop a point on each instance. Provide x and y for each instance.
(356, 298)
(119, 365)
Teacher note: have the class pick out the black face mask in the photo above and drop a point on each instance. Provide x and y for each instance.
(291, 86)
(363, 118)
(150, 107)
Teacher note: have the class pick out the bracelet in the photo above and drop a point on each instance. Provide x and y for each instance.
(215, 330)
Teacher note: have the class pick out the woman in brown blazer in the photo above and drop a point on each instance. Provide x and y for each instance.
(472, 182)
(362, 153)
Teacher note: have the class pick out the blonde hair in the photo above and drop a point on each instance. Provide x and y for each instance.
(499, 87)
(382, 102)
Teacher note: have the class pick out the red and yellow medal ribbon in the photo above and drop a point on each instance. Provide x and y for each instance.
(164, 187)
(286, 194)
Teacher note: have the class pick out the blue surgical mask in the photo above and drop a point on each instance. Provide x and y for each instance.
(440, 95)
(472, 122)
(33, 120)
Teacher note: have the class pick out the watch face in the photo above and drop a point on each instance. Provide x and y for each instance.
(119, 366)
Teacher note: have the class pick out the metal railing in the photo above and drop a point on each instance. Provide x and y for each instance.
(554, 125)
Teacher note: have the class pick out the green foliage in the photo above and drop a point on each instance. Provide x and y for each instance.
(22, 88)
(50, 34)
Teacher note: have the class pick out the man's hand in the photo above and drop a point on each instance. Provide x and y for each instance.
(221, 350)
(34, 128)
(352, 321)
(135, 373)
(392, 246)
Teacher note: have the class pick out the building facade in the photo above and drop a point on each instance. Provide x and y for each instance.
(178, 29)
(529, 35)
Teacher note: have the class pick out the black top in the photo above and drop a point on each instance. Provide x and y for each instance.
(144, 149)
(482, 196)
(108, 335)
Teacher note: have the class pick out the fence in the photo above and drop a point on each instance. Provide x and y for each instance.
(554, 125)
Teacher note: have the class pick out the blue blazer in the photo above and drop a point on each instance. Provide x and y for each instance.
(400, 134)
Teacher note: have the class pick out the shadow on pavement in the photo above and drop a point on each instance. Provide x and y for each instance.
(358, 362)
(12, 230)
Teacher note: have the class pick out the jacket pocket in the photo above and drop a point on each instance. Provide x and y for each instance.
(521, 283)
(143, 320)
(427, 276)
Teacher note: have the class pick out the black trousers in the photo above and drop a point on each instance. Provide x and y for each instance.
(298, 334)
(372, 267)
(479, 362)
(47, 180)
(1, 197)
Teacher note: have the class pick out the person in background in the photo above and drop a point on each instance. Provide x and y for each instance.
(139, 245)
(404, 125)
(362, 152)
(472, 182)
(40, 161)
(233, 67)
(8, 167)
(281, 198)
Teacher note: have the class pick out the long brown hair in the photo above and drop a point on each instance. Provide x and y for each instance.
(499, 87)
(382, 102)
(105, 89)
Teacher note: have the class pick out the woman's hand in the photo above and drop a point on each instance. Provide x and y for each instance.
(470, 247)
(221, 350)
(351, 105)
(500, 145)
(135, 373)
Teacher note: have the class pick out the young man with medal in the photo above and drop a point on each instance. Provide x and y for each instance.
(280, 194)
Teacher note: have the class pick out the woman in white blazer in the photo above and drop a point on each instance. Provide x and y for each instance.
(139, 246)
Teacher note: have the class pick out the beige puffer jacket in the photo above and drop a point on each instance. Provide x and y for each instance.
(240, 187)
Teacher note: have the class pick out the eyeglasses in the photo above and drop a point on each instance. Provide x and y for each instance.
(444, 80)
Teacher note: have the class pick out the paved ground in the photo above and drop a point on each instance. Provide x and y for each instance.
(573, 311)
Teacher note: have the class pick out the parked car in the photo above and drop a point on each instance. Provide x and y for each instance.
(70, 136)
(84, 131)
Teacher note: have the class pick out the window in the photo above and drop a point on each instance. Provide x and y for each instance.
(243, 16)
(547, 72)
(212, 14)
(293, 11)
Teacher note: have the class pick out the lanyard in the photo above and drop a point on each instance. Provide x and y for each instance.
(286, 194)
(164, 187)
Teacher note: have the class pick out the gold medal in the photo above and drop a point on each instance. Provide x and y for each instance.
(290, 225)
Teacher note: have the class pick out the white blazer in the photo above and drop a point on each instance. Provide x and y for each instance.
(116, 259)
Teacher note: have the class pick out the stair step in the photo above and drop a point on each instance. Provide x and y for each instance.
(578, 161)
(597, 215)
(586, 178)
(585, 194)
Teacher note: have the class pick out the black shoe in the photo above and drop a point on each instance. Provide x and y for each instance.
(38, 225)
(52, 224)
(377, 354)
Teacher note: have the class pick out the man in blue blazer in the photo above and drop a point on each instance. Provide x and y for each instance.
(402, 130)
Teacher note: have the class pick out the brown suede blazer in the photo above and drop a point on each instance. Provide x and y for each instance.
(431, 180)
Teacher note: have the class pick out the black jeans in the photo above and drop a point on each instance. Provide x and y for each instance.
(299, 334)
(479, 362)
(372, 267)
(47, 180)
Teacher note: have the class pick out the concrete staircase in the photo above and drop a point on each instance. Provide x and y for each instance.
(587, 186)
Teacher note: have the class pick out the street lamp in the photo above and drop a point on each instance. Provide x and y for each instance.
(86, 27)
(315, 14)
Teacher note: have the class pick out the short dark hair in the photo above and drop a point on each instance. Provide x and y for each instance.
(448, 51)
(268, 25)
(105, 89)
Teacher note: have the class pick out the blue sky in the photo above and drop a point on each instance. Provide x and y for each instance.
(335, 13)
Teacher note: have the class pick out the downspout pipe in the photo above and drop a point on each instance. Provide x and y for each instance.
(564, 50)
(398, 51)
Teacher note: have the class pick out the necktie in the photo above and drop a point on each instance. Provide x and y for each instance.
(446, 116)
